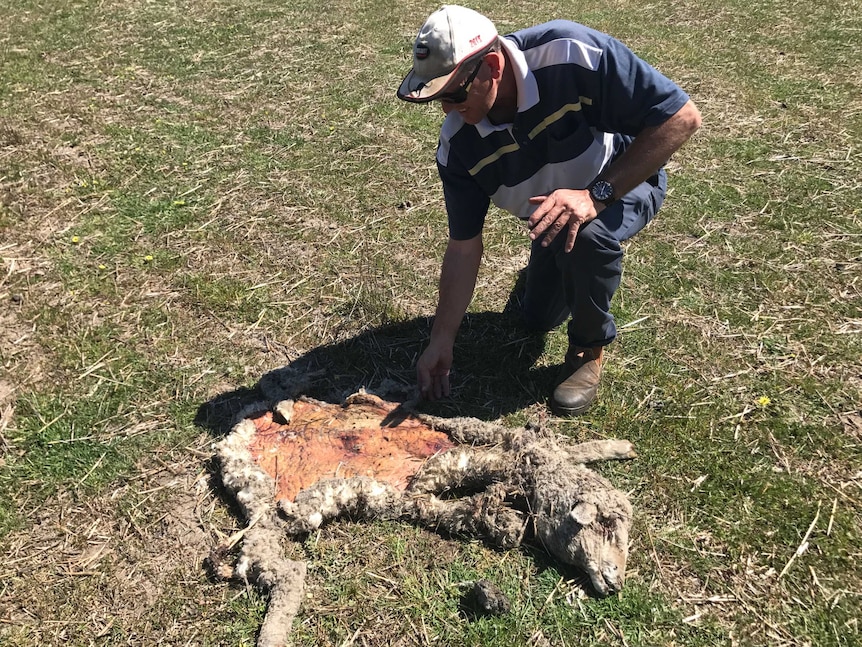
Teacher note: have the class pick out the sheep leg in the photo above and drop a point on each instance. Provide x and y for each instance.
(485, 514)
(284, 579)
(600, 450)
(359, 497)
(465, 468)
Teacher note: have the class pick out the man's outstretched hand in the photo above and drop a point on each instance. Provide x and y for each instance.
(432, 371)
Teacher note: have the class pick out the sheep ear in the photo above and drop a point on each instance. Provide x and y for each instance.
(584, 513)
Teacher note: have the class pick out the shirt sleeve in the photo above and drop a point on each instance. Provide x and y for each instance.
(634, 95)
(466, 203)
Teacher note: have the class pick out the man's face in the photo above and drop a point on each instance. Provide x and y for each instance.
(481, 94)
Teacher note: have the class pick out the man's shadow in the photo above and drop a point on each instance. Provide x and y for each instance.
(494, 372)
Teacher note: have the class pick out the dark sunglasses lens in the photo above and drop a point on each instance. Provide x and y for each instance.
(458, 96)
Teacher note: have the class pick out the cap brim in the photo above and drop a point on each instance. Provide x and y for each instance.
(419, 91)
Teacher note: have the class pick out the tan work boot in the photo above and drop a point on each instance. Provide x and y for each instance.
(581, 372)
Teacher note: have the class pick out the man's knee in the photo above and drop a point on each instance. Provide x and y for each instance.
(595, 246)
(543, 320)
(596, 236)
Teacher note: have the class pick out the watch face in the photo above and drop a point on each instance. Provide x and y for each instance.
(602, 190)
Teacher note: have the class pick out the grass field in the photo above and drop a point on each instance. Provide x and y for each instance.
(196, 192)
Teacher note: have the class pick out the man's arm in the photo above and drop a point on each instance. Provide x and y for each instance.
(649, 151)
(457, 281)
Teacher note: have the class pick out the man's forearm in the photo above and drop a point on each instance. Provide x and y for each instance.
(457, 281)
(651, 149)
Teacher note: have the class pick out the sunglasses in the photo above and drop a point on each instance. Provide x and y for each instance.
(460, 94)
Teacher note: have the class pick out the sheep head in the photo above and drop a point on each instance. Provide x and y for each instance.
(588, 530)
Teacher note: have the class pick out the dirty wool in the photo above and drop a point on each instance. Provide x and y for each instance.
(300, 463)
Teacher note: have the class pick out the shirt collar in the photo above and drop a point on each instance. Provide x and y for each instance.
(528, 91)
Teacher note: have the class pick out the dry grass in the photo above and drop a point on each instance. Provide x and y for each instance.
(93, 569)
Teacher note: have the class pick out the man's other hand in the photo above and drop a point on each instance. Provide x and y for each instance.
(563, 207)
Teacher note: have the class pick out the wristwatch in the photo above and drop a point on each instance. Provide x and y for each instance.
(602, 191)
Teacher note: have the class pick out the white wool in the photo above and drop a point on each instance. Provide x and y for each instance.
(315, 520)
(243, 567)
(285, 410)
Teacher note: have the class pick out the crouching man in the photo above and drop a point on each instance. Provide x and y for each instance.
(567, 129)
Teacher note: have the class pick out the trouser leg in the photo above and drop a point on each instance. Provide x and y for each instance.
(582, 283)
(546, 304)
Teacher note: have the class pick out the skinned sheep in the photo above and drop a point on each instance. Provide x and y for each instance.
(495, 482)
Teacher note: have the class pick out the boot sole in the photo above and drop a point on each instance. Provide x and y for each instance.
(570, 411)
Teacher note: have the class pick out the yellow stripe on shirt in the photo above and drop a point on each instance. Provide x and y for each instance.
(493, 157)
(559, 114)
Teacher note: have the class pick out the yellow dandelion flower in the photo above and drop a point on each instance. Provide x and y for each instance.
(763, 401)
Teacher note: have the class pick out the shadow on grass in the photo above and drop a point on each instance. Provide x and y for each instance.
(494, 372)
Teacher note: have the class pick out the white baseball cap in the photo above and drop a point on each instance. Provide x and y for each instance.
(451, 37)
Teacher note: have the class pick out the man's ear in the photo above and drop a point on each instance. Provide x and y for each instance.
(496, 63)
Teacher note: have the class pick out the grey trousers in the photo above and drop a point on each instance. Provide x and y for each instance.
(582, 283)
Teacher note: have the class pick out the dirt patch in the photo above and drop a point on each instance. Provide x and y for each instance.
(6, 391)
(122, 558)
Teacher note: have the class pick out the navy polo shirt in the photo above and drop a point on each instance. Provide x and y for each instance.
(582, 97)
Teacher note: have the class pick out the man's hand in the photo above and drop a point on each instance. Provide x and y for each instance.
(432, 371)
(561, 208)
